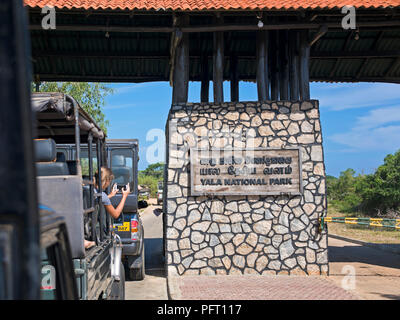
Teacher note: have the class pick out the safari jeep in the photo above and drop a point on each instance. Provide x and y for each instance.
(122, 157)
(68, 190)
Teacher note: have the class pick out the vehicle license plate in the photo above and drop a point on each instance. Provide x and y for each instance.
(124, 227)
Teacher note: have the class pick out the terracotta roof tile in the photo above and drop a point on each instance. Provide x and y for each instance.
(211, 4)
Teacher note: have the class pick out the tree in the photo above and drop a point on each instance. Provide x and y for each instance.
(380, 192)
(155, 170)
(151, 175)
(90, 96)
(341, 191)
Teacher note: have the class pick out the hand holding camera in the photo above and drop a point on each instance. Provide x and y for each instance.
(126, 190)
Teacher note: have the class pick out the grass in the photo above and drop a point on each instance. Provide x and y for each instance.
(359, 232)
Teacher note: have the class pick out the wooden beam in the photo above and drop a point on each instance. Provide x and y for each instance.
(217, 28)
(355, 54)
(266, 63)
(335, 66)
(347, 43)
(205, 80)
(320, 33)
(284, 65)
(181, 64)
(360, 70)
(273, 52)
(304, 59)
(197, 55)
(294, 65)
(136, 79)
(393, 66)
(262, 77)
(234, 75)
(218, 65)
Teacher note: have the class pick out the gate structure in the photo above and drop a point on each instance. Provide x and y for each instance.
(244, 181)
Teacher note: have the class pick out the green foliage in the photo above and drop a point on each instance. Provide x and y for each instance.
(381, 190)
(372, 194)
(341, 191)
(90, 96)
(155, 170)
(150, 177)
(150, 182)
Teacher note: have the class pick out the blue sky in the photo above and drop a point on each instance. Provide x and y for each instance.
(360, 121)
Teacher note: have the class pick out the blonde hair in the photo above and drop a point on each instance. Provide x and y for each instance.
(106, 177)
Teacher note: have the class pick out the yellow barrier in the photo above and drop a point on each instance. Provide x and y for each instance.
(373, 222)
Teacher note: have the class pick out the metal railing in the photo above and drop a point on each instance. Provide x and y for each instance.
(371, 222)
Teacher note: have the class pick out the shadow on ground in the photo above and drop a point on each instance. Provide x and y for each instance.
(154, 259)
(363, 254)
(157, 212)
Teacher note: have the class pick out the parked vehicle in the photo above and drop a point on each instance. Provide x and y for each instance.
(69, 190)
(160, 192)
(122, 157)
(144, 193)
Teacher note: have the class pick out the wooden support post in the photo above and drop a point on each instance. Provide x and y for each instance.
(294, 65)
(273, 51)
(234, 77)
(266, 63)
(218, 65)
(205, 79)
(284, 65)
(181, 62)
(321, 31)
(260, 62)
(304, 66)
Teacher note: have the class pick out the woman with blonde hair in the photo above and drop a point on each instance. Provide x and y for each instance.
(106, 178)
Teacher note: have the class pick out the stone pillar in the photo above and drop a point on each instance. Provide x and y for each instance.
(245, 234)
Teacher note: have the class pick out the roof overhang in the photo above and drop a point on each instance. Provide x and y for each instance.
(108, 43)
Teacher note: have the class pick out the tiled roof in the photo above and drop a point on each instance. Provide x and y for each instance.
(211, 4)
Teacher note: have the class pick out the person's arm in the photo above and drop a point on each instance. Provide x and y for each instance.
(113, 192)
(116, 212)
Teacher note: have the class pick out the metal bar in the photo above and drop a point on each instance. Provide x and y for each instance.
(89, 210)
(372, 222)
(100, 189)
(90, 145)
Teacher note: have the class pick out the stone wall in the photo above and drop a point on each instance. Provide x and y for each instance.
(244, 234)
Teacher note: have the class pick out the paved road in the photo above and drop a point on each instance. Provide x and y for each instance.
(154, 285)
(377, 273)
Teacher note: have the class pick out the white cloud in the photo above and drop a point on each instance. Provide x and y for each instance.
(361, 95)
(378, 130)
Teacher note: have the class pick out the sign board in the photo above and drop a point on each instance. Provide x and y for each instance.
(264, 171)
